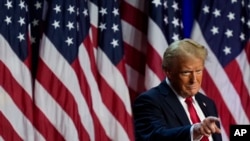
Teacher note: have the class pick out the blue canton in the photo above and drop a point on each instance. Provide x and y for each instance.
(14, 26)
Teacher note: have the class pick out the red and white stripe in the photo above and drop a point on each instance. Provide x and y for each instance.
(59, 96)
(113, 95)
(90, 103)
(144, 50)
(16, 97)
(227, 86)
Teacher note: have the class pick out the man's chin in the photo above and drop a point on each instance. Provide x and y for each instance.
(191, 93)
(185, 95)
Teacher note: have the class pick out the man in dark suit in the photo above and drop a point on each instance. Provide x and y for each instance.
(163, 113)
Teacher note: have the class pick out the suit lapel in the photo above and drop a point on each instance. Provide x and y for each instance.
(172, 100)
(175, 104)
(202, 104)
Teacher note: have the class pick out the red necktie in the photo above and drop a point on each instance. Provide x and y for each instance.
(193, 114)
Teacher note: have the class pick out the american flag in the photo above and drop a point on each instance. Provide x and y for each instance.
(78, 90)
(225, 31)
(80, 85)
(70, 69)
(16, 97)
(110, 66)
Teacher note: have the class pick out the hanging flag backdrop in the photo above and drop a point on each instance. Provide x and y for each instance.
(70, 69)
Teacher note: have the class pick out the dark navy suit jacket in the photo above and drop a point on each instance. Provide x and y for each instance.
(159, 115)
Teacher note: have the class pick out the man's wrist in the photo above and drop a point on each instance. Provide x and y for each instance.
(196, 131)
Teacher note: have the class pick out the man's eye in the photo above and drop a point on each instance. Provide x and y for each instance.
(199, 71)
(185, 73)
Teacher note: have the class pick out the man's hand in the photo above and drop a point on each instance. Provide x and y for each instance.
(206, 127)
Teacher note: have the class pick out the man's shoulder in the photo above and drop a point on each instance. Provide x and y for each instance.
(152, 94)
(203, 97)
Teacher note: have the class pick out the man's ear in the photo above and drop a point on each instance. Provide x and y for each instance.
(168, 73)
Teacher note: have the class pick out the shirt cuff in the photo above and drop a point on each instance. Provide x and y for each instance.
(192, 135)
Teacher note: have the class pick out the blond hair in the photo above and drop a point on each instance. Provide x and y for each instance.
(185, 47)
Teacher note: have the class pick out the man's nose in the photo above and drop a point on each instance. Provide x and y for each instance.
(193, 77)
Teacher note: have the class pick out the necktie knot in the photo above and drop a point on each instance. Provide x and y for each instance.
(189, 100)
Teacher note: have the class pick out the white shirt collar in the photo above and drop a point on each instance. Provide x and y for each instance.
(182, 99)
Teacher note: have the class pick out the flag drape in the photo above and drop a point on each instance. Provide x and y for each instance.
(70, 69)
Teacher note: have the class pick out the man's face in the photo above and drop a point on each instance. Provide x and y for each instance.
(186, 76)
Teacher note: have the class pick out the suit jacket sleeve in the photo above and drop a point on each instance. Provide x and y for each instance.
(154, 123)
